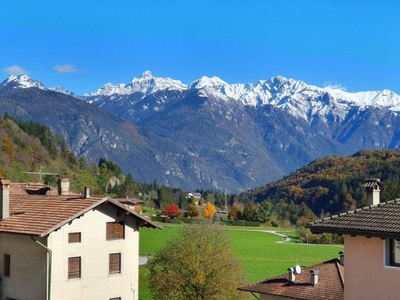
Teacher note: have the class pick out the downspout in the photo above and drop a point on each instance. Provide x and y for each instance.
(49, 267)
(255, 295)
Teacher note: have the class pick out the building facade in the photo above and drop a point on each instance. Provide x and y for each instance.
(68, 247)
(371, 245)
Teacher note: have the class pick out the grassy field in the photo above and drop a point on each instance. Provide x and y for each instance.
(261, 254)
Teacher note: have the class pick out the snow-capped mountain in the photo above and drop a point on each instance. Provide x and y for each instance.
(22, 81)
(210, 133)
(146, 84)
(294, 96)
(62, 90)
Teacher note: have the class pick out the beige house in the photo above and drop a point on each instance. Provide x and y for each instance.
(371, 245)
(63, 246)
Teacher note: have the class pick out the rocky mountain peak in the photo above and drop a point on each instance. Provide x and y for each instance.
(23, 81)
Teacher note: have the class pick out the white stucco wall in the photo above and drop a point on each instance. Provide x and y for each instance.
(95, 282)
(366, 274)
(28, 273)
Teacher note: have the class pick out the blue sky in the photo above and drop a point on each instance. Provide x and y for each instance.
(81, 45)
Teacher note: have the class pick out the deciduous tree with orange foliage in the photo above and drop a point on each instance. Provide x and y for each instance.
(172, 211)
(209, 211)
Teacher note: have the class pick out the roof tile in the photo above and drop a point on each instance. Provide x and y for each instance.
(380, 220)
(330, 285)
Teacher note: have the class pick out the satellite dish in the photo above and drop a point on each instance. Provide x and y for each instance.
(297, 269)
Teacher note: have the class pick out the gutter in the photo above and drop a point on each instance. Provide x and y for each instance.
(48, 250)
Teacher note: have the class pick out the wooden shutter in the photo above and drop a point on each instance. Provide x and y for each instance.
(119, 230)
(7, 265)
(115, 263)
(74, 237)
(74, 267)
(115, 231)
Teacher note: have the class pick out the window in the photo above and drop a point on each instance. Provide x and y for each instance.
(394, 252)
(115, 298)
(7, 265)
(115, 231)
(74, 237)
(115, 263)
(74, 267)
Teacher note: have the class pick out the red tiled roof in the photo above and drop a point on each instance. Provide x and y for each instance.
(381, 220)
(330, 284)
(41, 214)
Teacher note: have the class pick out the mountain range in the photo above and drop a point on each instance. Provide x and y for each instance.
(209, 134)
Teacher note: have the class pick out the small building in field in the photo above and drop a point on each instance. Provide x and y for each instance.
(194, 195)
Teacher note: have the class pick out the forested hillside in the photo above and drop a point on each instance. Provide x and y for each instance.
(334, 184)
(326, 186)
(30, 147)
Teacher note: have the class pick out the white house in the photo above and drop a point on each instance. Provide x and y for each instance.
(67, 247)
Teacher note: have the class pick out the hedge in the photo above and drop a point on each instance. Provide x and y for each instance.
(246, 223)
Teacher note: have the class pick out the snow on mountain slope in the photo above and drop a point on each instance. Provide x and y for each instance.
(23, 81)
(294, 96)
(62, 90)
(146, 84)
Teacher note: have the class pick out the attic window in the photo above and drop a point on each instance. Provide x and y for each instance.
(74, 237)
(115, 231)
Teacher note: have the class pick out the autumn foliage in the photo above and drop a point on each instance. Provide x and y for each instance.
(192, 210)
(172, 211)
(209, 211)
(198, 263)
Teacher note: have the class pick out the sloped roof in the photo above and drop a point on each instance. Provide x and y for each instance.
(329, 286)
(130, 201)
(380, 220)
(41, 214)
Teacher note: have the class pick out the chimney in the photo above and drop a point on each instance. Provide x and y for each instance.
(5, 198)
(63, 186)
(372, 188)
(341, 258)
(291, 275)
(87, 192)
(314, 277)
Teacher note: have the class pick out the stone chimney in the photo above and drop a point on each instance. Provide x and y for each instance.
(372, 189)
(314, 277)
(5, 198)
(341, 258)
(87, 192)
(63, 186)
(291, 275)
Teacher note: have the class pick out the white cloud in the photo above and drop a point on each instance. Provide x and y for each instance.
(15, 70)
(336, 86)
(66, 68)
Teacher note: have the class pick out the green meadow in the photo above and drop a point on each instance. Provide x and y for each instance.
(262, 254)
